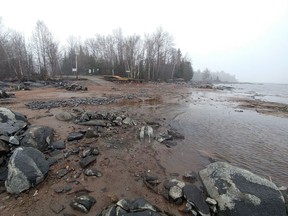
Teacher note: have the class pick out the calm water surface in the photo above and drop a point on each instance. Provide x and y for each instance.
(247, 139)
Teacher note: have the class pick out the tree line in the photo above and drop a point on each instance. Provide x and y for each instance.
(152, 57)
(207, 76)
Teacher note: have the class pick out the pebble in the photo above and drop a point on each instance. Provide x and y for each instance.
(83, 203)
(211, 201)
(92, 172)
(87, 160)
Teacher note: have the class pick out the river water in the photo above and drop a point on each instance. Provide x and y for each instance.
(213, 129)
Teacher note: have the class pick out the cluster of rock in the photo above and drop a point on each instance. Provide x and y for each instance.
(73, 102)
(170, 137)
(133, 207)
(75, 87)
(228, 190)
(4, 94)
(22, 163)
(179, 193)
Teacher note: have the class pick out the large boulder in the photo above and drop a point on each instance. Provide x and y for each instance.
(39, 137)
(11, 122)
(27, 167)
(132, 207)
(240, 192)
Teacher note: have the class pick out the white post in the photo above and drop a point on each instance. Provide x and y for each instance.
(76, 68)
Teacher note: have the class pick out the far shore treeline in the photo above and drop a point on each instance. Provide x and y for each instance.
(153, 57)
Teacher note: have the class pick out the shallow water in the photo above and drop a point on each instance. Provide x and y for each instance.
(266, 92)
(247, 139)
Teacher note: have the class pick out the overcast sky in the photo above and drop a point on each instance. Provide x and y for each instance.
(247, 38)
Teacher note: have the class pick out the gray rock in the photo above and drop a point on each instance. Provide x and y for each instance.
(39, 137)
(27, 167)
(118, 121)
(240, 192)
(146, 131)
(95, 122)
(63, 116)
(75, 136)
(83, 203)
(3, 94)
(58, 145)
(95, 151)
(134, 205)
(190, 176)
(2, 158)
(11, 122)
(211, 201)
(14, 140)
(163, 137)
(195, 197)
(151, 178)
(3, 173)
(86, 152)
(91, 133)
(175, 134)
(4, 148)
(62, 172)
(92, 172)
(127, 121)
(7, 115)
(4, 138)
(169, 143)
(87, 160)
(175, 192)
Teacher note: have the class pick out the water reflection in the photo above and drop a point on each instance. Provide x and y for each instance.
(250, 140)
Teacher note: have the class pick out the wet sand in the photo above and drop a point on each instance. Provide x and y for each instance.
(123, 158)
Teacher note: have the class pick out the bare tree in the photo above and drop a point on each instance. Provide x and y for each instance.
(132, 54)
(46, 49)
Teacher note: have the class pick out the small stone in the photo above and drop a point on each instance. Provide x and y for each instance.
(127, 121)
(61, 173)
(211, 201)
(87, 160)
(100, 129)
(92, 172)
(175, 192)
(67, 188)
(14, 140)
(90, 133)
(86, 152)
(75, 150)
(75, 136)
(83, 203)
(95, 151)
(4, 148)
(58, 189)
(64, 116)
(175, 134)
(190, 176)
(59, 145)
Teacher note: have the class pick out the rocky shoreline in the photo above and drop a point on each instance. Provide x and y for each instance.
(106, 163)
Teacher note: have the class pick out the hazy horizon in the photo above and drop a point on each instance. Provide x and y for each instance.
(248, 39)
